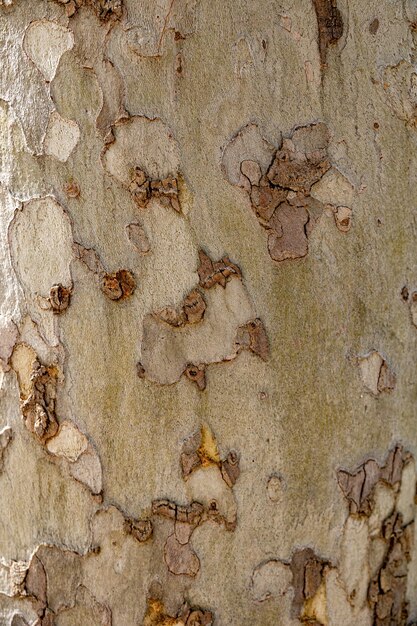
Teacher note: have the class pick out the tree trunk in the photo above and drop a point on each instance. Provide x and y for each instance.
(208, 312)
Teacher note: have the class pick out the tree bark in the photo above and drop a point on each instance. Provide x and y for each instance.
(208, 313)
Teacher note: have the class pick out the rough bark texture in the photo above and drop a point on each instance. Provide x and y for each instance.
(208, 312)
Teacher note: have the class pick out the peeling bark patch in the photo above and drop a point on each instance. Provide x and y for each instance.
(6, 435)
(156, 615)
(282, 190)
(210, 326)
(106, 10)
(307, 576)
(51, 599)
(36, 583)
(88, 471)
(116, 286)
(377, 376)
(38, 387)
(303, 579)
(61, 137)
(358, 486)
(190, 312)
(45, 42)
(38, 409)
(69, 442)
(330, 25)
(200, 449)
(138, 238)
(270, 579)
(143, 189)
(387, 592)
(253, 337)
(59, 298)
(210, 481)
(379, 535)
(180, 558)
(411, 299)
(119, 285)
(141, 530)
(219, 272)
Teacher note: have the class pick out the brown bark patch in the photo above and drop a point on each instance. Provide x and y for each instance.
(38, 408)
(119, 285)
(59, 298)
(330, 25)
(358, 486)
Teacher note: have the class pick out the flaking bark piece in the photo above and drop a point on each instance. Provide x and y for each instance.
(297, 171)
(307, 570)
(330, 25)
(170, 315)
(156, 615)
(140, 187)
(166, 190)
(210, 273)
(195, 617)
(194, 307)
(141, 529)
(180, 558)
(36, 583)
(191, 312)
(6, 435)
(230, 469)
(118, 285)
(358, 486)
(287, 238)
(89, 257)
(190, 514)
(59, 298)
(197, 374)
(387, 593)
(106, 10)
(39, 408)
(143, 188)
(190, 459)
(265, 199)
(387, 378)
(252, 336)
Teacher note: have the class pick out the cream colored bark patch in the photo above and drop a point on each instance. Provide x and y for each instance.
(61, 137)
(406, 500)
(383, 505)
(41, 240)
(45, 42)
(69, 442)
(370, 367)
(354, 569)
(333, 188)
(270, 579)
(22, 361)
(87, 470)
(145, 143)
